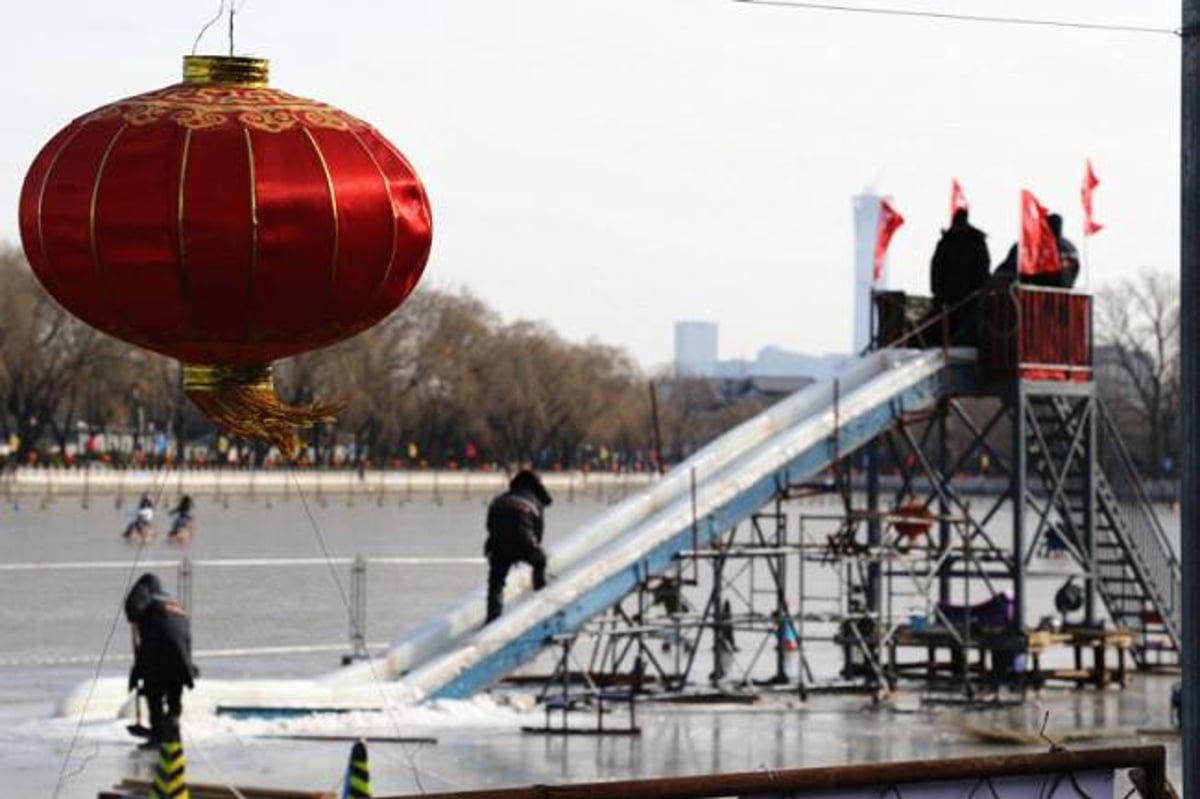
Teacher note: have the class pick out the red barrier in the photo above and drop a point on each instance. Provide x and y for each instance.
(1036, 333)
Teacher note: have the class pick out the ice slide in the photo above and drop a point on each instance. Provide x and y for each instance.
(602, 560)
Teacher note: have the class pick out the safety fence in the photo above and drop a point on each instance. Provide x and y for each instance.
(243, 610)
(97, 483)
(1036, 333)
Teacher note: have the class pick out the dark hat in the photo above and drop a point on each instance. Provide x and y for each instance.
(149, 582)
(145, 592)
(526, 480)
(1055, 223)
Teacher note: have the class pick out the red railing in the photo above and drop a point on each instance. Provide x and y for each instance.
(1036, 333)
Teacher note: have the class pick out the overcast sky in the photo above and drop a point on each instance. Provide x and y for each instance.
(612, 166)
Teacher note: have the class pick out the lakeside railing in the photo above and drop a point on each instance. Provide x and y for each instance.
(52, 482)
(289, 606)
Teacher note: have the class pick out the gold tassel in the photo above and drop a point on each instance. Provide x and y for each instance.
(242, 401)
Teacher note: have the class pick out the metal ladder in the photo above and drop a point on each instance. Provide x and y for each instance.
(1138, 574)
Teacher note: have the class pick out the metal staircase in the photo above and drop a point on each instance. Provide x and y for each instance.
(1137, 573)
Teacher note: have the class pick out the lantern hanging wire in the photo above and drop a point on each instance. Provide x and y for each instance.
(234, 8)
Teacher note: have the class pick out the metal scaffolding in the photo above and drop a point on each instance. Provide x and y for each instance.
(957, 548)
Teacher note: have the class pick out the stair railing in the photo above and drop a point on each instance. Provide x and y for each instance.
(1139, 524)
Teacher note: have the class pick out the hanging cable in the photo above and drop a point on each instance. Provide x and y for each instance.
(387, 702)
(234, 9)
(953, 17)
(157, 487)
(207, 25)
(63, 776)
(195, 745)
(425, 770)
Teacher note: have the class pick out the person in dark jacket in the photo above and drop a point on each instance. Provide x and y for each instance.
(1068, 255)
(182, 525)
(162, 656)
(958, 270)
(515, 525)
(1068, 258)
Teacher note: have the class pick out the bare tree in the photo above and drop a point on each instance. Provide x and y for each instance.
(693, 413)
(443, 372)
(48, 358)
(1138, 366)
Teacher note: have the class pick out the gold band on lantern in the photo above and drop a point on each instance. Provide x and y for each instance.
(227, 69)
(243, 402)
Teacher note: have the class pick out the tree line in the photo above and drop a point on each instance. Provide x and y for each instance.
(1138, 367)
(443, 381)
(446, 382)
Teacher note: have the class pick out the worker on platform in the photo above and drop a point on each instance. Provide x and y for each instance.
(957, 271)
(1068, 255)
(162, 656)
(515, 523)
(1068, 258)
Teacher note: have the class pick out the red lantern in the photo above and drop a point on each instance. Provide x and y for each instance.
(226, 224)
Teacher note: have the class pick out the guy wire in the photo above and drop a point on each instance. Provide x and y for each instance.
(955, 17)
(193, 743)
(62, 772)
(387, 703)
(63, 776)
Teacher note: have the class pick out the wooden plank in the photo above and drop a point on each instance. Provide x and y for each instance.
(200, 790)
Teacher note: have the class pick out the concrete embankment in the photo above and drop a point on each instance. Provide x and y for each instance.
(50, 483)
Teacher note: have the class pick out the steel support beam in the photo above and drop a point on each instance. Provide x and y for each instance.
(1189, 307)
(1017, 487)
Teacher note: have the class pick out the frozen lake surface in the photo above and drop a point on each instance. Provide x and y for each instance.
(64, 572)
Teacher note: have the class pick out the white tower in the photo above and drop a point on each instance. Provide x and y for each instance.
(866, 236)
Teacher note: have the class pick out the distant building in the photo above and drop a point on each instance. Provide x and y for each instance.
(767, 390)
(695, 349)
(696, 356)
(776, 362)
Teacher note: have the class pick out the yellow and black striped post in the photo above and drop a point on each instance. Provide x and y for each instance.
(170, 779)
(358, 774)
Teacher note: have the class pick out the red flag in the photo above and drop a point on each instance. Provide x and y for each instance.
(1090, 226)
(957, 198)
(889, 221)
(1038, 253)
